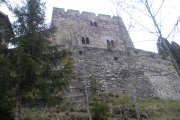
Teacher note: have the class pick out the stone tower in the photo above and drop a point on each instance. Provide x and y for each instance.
(90, 30)
(99, 49)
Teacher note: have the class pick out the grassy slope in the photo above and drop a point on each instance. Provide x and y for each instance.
(120, 108)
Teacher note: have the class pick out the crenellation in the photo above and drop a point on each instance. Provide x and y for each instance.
(104, 17)
(88, 15)
(58, 11)
(84, 14)
(116, 18)
(73, 12)
(98, 49)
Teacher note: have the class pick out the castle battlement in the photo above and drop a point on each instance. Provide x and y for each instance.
(102, 31)
(99, 49)
(84, 14)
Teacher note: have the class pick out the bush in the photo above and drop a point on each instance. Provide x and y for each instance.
(100, 111)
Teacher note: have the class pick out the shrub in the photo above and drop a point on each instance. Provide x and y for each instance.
(100, 111)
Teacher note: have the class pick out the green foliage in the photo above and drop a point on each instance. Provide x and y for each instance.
(173, 47)
(95, 85)
(162, 50)
(120, 108)
(40, 69)
(6, 98)
(100, 110)
(160, 109)
(35, 68)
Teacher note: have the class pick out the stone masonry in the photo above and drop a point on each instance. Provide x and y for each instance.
(98, 45)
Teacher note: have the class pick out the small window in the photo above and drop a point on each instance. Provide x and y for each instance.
(83, 40)
(136, 52)
(95, 23)
(91, 22)
(80, 52)
(87, 40)
(115, 58)
(112, 43)
(152, 55)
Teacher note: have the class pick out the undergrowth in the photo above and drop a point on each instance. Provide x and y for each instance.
(118, 108)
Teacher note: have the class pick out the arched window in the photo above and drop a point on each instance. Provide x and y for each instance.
(110, 44)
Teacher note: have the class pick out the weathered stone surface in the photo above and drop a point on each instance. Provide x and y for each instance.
(79, 25)
(149, 76)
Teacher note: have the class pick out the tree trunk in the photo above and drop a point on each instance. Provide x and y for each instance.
(136, 105)
(128, 52)
(18, 105)
(87, 99)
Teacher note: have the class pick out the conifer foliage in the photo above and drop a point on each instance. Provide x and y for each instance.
(174, 48)
(40, 69)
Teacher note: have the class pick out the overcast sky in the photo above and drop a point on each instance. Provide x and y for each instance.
(141, 39)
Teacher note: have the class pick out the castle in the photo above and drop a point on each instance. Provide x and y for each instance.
(100, 46)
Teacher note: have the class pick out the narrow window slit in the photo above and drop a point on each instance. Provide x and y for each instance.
(91, 23)
(80, 52)
(87, 40)
(95, 23)
(83, 40)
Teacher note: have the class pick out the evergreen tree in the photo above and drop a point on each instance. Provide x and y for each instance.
(173, 47)
(6, 98)
(6, 73)
(40, 69)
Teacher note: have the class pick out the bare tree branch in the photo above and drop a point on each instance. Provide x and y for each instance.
(176, 24)
(159, 8)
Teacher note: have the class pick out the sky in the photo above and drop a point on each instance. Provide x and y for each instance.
(141, 38)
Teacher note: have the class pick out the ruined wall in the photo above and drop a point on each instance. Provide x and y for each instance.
(74, 25)
(152, 76)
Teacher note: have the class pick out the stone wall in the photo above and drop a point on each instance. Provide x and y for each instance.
(152, 76)
(72, 26)
(149, 76)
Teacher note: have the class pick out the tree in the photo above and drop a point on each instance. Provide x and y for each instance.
(150, 18)
(151, 13)
(40, 69)
(100, 110)
(6, 98)
(173, 47)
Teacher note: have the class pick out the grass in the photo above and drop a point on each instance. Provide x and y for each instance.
(120, 107)
(160, 109)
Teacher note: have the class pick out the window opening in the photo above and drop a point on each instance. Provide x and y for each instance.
(80, 52)
(83, 40)
(115, 58)
(91, 22)
(95, 23)
(87, 40)
(136, 52)
(112, 43)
